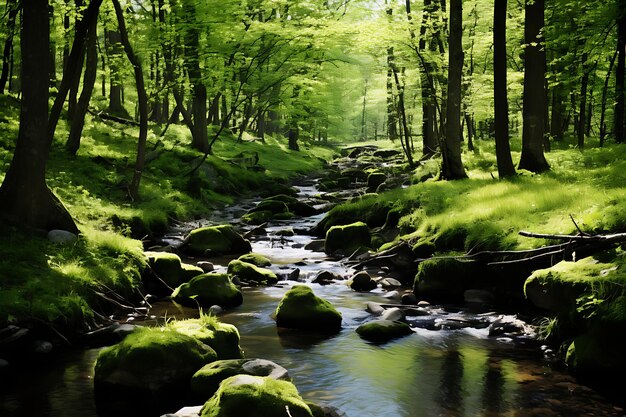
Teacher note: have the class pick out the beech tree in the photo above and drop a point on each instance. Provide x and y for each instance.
(25, 199)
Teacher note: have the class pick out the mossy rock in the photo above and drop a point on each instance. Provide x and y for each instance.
(284, 216)
(207, 290)
(255, 396)
(221, 337)
(256, 218)
(206, 381)
(251, 273)
(221, 239)
(347, 238)
(375, 179)
(301, 309)
(167, 267)
(356, 174)
(424, 249)
(190, 271)
(149, 370)
(381, 331)
(362, 282)
(255, 259)
(446, 279)
(287, 199)
(274, 206)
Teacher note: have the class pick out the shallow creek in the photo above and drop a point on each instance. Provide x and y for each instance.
(450, 371)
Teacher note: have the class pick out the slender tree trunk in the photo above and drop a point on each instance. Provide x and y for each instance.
(556, 118)
(24, 196)
(53, 52)
(405, 134)
(89, 80)
(72, 98)
(582, 110)
(501, 102)
(619, 74)
(535, 96)
(142, 99)
(605, 90)
(429, 112)
(363, 120)
(452, 164)
(13, 9)
(114, 50)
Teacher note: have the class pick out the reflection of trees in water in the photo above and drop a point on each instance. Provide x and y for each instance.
(450, 396)
(493, 389)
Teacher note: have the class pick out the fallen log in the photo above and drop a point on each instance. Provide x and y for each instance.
(106, 116)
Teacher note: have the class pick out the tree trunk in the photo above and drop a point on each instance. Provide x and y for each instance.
(392, 115)
(24, 196)
(114, 51)
(13, 9)
(452, 164)
(501, 102)
(89, 80)
(582, 110)
(619, 73)
(429, 112)
(72, 98)
(294, 133)
(535, 97)
(556, 118)
(133, 189)
(605, 90)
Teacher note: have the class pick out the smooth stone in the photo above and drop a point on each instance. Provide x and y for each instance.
(392, 294)
(285, 232)
(315, 245)
(294, 275)
(326, 277)
(423, 304)
(362, 281)
(374, 308)
(390, 283)
(206, 266)
(186, 412)
(61, 236)
(380, 331)
(215, 310)
(507, 326)
(393, 314)
(409, 298)
(416, 312)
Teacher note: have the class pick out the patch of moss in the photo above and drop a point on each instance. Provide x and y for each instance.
(190, 271)
(347, 238)
(300, 308)
(167, 266)
(381, 331)
(221, 239)
(256, 218)
(222, 337)
(255, 259)
(445, 279)
(254, 396)
(251, 273)
(207, 290)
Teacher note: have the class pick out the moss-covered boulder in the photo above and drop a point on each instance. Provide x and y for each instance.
(381, 331)
(257, 218)
(251, 273)
(273, 206)
(347, 238)
(300, 308)
(189, 271)
(557, 288)
(221, 337)
(149, 370)
(362, 282)
(446, 279)
(255, 259)
(255, 396)
(207, 290)
(375, 179)
(221, 239)
(206, 381)
(166, 266)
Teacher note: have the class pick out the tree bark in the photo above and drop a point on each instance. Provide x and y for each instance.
(501, 102)
(582, 110)
(133, 189)
(114, 50)
(535, 97)
(605, 90)
(452, 164)
(89, 81)
(13, 8)
(25, 199)
(429, 112)
(619, 73)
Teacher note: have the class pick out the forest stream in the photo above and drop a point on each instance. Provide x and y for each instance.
(450, 366)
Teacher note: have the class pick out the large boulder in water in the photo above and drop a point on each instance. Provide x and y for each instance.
(347, 238)
(207, 290)
(446, 279)
(149, 370)
(167, 271)
(251, 273)
(381, 331)
(217, 240)
(300, 308)
(255, 396)
(255, 259)
(206, 381)
(221, 337)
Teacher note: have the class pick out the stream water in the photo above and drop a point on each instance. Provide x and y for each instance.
(438, 371)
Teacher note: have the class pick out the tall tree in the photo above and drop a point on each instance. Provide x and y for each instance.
(535, 94)
(452, 163)
(501, 102)
(25, 199)
(13, 9)
(619, 72)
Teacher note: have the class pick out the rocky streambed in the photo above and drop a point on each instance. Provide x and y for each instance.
(393, 354)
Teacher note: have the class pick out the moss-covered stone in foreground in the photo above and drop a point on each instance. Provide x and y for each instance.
(300, 308)
(255, 396)
(207, 290)
(347, 238)
(251, 273)
(149, 365)
(221, 239)
(381, 331)
(167, 266)
(222, 337)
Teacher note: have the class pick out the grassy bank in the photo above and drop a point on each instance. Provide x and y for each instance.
(47, 283)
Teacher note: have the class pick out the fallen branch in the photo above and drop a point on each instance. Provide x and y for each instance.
(106, 116)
